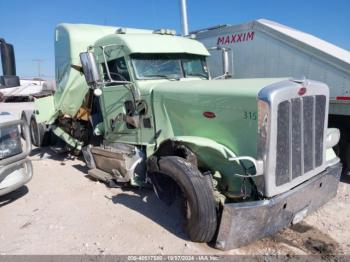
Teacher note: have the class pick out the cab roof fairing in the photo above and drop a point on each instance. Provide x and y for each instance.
(153, 44)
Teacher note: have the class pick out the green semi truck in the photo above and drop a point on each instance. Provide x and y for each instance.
(245, 157)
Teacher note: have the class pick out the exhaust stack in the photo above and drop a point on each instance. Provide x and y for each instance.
(7, 58)
(9, 78)
(183, 13)
(225, 61)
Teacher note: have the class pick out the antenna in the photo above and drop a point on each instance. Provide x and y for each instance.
(39, 61)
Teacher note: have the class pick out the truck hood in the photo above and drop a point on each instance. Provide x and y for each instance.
(222, 110)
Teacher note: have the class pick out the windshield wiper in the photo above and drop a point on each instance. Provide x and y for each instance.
(164, 76)
(199, 74)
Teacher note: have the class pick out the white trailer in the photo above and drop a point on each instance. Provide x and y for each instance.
(263, 48)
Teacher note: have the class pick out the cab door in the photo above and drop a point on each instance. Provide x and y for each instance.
(117, 104)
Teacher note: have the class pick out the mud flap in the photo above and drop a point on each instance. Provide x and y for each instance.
(44, 109)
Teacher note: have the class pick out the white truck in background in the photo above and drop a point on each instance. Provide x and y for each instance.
(264, 48)
(15, 166)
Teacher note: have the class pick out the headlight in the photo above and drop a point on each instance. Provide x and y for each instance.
(263, 128)
(332, 138)
(10, 141)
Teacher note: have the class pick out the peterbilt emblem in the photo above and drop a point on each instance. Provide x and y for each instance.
(209, 114)
(302, 91)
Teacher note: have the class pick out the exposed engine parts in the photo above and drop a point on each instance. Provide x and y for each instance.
(117, 161)
(79, 129)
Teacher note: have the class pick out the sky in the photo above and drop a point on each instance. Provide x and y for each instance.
(29, 25)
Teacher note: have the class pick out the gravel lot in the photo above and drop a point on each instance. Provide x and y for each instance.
(62, 211)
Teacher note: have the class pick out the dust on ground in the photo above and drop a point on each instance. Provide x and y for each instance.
(63, 211)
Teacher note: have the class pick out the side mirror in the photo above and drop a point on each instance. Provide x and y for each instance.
(90, 68)
(225, 61)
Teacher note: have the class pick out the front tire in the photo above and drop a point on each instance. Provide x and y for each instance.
(200, 208)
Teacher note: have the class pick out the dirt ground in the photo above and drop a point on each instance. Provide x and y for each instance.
(62, 211)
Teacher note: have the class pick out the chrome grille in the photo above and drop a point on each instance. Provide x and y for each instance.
(300, 130)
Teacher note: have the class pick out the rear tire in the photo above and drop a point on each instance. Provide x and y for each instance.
(201, 217)
(38, 134)
(344, 148)
(24, 118)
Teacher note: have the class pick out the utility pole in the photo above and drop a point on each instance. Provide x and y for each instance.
(183, 14)
(39, 61)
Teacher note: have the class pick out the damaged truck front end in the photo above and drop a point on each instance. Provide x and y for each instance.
(301, 172)
(285, 171)
(246, 157)
(243, 223)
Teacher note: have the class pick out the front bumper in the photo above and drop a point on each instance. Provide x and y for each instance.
(242, 223)
(15, 175)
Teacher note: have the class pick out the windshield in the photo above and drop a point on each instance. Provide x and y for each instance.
(170, 66)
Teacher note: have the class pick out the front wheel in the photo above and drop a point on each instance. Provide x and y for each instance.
(199, 204)
(39, 135)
